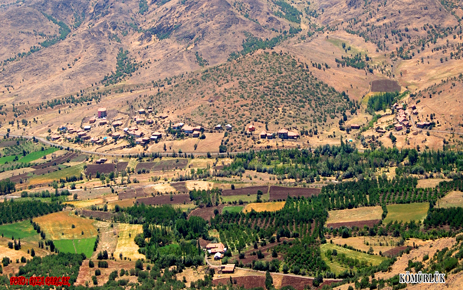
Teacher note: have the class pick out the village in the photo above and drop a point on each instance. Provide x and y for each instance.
(144, 128)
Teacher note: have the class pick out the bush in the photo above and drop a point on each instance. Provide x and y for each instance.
(91, 264)
(97, 272)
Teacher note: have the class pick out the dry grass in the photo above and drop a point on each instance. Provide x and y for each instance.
(201, 163)
(121, 203)
(452, 199)
(199, 185)
(355, 214)
(374, 242)
(58, 226)
(426, 248)
(265, 206)
(425, 183)
(164, 188)
(126, 244)
(192, 274)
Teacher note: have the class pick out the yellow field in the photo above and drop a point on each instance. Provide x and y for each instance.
(121, 203)
(126, 244)
(264, 206)
(85, 203)
(58, 226)
(452, 199)
(355, 214)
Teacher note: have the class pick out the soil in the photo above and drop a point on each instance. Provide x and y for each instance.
(144, 165)
(165, 199)
(385, 86)
(207, 212)
(248, 282)
(360, 224)
(281, 192)
(132, 193)
(395, 252)
(101, 168)
(170, 164)
(180, 187)
(104, 215)
(245, 190)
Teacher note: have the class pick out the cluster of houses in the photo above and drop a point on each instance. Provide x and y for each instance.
(401, 117)
(195, 131)
(218, 250)
(282, 133)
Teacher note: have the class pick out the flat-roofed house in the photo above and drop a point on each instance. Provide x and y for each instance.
(263, 135)
(283, 134)
(188, 129)
(213, 248)
(293, 135)
(101, 112)
(227, 269)
(398, 127)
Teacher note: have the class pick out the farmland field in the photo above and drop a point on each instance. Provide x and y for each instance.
(233, 208)
(207, 212)
(252, 190)
(58, 226)
(452, 199)
(355, 214)
(76, 246)
(57, 175)
(264, 206)
(281, 192)
(100, 168)
(19, 230)
(383, 243)
(126, 244)
(337, 268)
(165, 199)
(406, 212)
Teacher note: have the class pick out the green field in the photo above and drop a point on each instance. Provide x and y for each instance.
(6, 159)
(245, 198)
(37, 154)
(76, 246)
(406, 212)
(237, 208)
(19, 230)
(338, 268)
(29, 157)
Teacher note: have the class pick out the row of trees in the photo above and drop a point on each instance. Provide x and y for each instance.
(12, 211)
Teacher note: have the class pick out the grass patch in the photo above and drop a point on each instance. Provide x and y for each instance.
(77, 246)
(233, 208)
(406, 212)
(6, 159)
(338, 268)
(19, 230)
